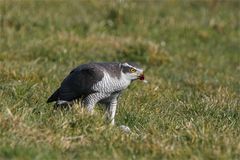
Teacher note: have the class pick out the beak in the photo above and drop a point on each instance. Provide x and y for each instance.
(141, 77)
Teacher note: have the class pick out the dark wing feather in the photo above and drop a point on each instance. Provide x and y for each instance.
(78, 83)
(54, 96)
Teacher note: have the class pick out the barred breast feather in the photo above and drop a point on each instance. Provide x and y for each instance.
(110, 84)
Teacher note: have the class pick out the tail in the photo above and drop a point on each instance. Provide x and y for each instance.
(54, 96)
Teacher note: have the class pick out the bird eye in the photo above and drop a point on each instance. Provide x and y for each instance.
(132, 70)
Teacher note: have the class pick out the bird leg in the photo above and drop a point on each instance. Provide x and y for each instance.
(111, 111)
(90, 101)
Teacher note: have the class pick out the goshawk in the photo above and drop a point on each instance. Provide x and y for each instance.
(97, 83)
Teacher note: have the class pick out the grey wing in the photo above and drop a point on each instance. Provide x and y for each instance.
(77, 84)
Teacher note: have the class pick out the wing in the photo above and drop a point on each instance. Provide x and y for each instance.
(79, 83)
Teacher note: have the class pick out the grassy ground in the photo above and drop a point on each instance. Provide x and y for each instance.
(189, 110)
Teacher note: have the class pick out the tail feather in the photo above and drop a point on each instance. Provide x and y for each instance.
(54, 96)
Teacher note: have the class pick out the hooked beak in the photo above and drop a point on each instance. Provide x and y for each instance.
(141, 77)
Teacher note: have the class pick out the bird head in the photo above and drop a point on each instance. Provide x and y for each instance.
(132, 71)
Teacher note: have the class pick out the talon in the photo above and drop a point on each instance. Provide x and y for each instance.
(125, 129)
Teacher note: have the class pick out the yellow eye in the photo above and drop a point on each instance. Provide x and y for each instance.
(132, 70)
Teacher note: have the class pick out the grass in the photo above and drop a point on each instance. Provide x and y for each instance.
(189, 110)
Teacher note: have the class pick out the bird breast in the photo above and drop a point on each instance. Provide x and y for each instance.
(111, 84)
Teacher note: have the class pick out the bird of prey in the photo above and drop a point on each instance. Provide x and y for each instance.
(97, 83)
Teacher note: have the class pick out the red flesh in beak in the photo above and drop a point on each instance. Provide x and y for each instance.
(141, 77)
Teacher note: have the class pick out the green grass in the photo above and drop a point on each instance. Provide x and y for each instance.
(190, 109)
